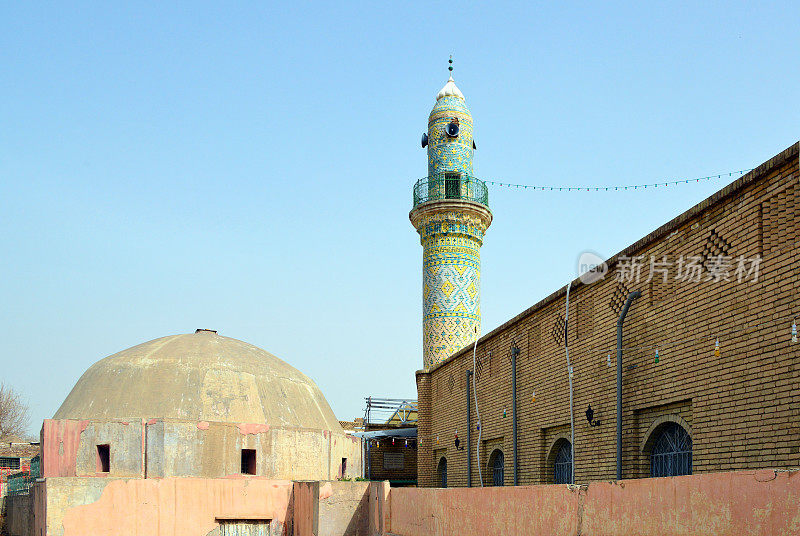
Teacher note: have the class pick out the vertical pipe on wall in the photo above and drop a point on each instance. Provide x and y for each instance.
(514, 354)
(144, 447)
(369, 472)
(469, 435)
(569, 373)
(632, 296)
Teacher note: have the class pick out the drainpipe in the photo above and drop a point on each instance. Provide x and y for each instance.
(571, 407)
(469, 435)
(514, 354)
(632, 296)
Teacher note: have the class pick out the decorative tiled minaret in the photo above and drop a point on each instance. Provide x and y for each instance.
(451, 214)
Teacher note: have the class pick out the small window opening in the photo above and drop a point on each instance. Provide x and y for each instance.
(344, 467)
(103, 458)
(497, 466)
(244, 527)
(671, 454)
(248, 461)
(452, 185)
(9, 463)
(562, 466)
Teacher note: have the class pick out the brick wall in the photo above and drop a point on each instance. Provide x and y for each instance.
(379, 469)
(741, 408)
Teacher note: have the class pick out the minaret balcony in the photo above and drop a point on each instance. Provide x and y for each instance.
(450, 186)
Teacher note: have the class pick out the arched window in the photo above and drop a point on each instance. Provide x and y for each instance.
(442, 471)
(671, 454)
(562, 465)
(497, 466)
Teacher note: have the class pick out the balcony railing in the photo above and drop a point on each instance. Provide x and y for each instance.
(457, 186)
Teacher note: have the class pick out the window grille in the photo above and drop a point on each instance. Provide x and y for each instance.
(442, 470)
(244, 527)
(497, 465)
(562, 467)
(393, 460)
(672, 452)
(9, 463)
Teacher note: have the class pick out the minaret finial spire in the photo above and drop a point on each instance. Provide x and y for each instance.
(450, 66)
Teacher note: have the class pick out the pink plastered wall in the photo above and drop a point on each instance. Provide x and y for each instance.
(756, 503)
(522, 510)
(173, 506)
(60, 440)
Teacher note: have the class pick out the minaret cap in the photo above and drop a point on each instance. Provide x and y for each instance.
(450, 90)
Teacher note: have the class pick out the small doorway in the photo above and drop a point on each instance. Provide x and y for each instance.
(452, 185)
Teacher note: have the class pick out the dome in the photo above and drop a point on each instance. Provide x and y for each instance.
(199, 377)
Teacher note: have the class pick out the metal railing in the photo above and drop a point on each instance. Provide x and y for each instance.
(399, 411)
(450, 186)
(36, 466)
(19, 484)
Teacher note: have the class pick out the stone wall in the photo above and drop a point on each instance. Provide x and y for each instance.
(740, 407)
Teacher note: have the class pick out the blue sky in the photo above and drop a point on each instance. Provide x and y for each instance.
(248, 167)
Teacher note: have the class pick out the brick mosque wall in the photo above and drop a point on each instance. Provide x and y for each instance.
(383, 469)
(741, 408)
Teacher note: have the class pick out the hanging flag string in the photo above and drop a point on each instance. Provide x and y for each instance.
(662, 184)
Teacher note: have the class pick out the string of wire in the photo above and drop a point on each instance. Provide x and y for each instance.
(660, 184)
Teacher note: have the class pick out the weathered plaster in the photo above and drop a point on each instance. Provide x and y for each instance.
(755, 503)
(165, 507)
(60, 441)
(344, 509)
(171, 448)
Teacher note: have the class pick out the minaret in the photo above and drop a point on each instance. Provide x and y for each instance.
(451, 214)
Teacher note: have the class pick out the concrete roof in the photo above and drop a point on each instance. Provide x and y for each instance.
(200, 377)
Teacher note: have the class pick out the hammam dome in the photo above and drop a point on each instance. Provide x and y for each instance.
(199, 377)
